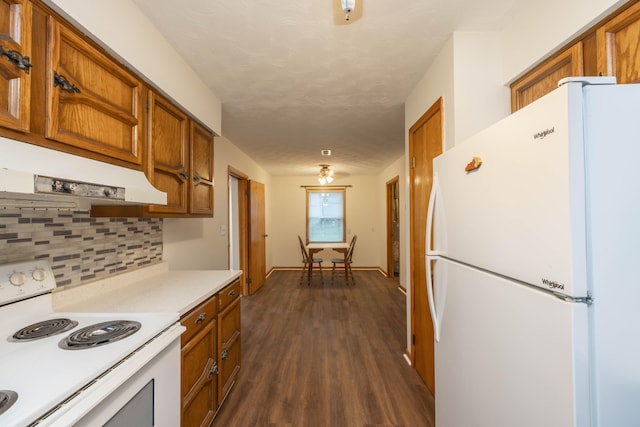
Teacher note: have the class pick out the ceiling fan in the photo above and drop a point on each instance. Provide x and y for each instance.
(346, 11)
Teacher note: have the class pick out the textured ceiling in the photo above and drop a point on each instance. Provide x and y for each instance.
(295, 78)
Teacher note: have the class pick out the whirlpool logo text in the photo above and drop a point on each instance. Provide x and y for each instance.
(552, 284)
(544, 133)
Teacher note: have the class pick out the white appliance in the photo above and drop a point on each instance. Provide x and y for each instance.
(533, 237)
(32, 172)
(133, 379)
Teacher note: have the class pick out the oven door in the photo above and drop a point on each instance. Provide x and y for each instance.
(143, 390)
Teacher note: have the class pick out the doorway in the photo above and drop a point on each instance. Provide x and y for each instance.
(393, 227)
(238, 224)
(425, 143)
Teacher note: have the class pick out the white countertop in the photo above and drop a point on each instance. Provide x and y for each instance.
(150, 289)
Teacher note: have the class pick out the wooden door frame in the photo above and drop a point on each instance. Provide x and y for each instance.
(243, 224)
(390, 186)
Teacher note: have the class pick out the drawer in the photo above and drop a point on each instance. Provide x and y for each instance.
(198, 318)
(228, 294)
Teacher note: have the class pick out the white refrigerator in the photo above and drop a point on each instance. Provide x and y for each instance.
(533, 237)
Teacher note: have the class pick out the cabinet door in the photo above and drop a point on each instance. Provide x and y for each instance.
(199, 378)
(15, 50)
(201, 170)
(229, 347)
(619, 46)
(169, 150)
(92, 102)
(544, 78)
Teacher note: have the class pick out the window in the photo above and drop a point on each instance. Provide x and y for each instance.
(326, 217)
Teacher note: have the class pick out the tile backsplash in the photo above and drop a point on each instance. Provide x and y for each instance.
(79, 248)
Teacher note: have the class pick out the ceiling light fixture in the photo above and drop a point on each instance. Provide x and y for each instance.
(347, 7)
(326, 175)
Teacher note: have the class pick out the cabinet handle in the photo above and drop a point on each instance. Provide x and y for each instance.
(224, 355)
(184, 175)
(232, 293)
(65, 85)
(16, 58)
(201, 318)
(214, 370)
(196, 178)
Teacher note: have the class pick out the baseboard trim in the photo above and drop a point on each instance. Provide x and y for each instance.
(364, 268)
(407, 359)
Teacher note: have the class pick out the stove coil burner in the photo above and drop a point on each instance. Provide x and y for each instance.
(44, 329)
(100, 334)
(7, 399)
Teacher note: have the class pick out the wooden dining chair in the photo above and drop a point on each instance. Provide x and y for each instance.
(345, 262)
(308, 263)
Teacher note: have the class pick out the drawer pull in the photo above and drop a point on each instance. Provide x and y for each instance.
(65, 85)
(201, 318)
(224, 355)
(214, 370)
(19, 61)
(232, 293)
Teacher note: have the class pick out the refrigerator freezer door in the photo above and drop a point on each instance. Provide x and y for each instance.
(513, 196)
(508, 355)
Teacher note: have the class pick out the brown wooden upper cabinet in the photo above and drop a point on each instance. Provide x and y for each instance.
(180, 163)
(201, 160)
(15, 65)
(619, 46)
(181, 154)
(610, 48)
(168, 144)
(544, 78)
(93, 103)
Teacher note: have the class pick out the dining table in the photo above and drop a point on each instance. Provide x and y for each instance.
(315, 247)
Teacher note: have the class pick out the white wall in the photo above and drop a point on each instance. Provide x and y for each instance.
(480, 97)
(364, 218)
(436, 82)
(121, 28)
(543, 26)
(198, 243)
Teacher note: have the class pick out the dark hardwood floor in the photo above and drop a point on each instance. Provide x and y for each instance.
(326, 355)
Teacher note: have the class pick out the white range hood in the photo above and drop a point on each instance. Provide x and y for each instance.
(36, 173)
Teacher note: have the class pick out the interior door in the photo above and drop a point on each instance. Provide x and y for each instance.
(425, 143)
(257, 237)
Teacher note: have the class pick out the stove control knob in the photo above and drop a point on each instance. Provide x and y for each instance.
(17, 278)
(39, 274)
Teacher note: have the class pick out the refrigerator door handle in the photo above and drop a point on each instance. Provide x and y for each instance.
(432, 255)
(435, 189)
(431, 297)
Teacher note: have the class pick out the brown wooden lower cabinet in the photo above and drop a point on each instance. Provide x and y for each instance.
(210, 355)
(229, 344)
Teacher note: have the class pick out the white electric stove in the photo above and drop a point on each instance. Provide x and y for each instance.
(74, 376)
